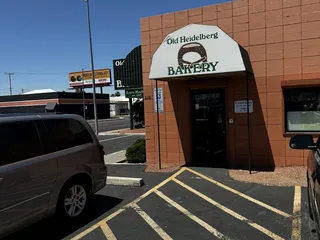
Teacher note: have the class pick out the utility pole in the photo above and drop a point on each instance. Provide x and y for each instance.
(92, 68)
(83, 95)
(9, 77)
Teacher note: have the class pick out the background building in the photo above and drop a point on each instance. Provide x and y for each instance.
(66, 102)
(119, 106)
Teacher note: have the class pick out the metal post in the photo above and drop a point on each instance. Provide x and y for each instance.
(101, 90)
(158, 123)
(92, 68)
(248, 122)
(131, 113)
(83, 96)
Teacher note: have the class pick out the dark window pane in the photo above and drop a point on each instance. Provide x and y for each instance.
(302, 109)
(64, 133)
(19, 141)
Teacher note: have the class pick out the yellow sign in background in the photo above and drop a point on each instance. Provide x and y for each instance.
(102, 78)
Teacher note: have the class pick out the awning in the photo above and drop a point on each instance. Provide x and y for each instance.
(198, 50)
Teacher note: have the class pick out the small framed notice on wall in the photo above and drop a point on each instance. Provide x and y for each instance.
(241, 106)
(158, 95)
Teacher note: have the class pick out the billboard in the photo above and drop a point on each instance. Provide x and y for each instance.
(84, 79)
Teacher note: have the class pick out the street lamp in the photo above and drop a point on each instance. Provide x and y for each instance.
(83, 94)
(92, 68)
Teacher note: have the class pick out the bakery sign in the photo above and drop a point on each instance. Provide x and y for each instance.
(195, 50)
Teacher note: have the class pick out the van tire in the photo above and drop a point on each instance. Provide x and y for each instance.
(78, 194)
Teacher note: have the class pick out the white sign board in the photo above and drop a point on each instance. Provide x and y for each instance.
(196, 50)
(241, 106)
(158, 95)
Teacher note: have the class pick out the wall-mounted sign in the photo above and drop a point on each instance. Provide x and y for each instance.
(117, 74)
(195, 50)
(84, 78)
(134, 93)
(241, 106)
(158, 94)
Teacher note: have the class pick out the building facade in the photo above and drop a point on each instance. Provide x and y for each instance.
(209, 62)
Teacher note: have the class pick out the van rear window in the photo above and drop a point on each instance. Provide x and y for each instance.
(66, 133)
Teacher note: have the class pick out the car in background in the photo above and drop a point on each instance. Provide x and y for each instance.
(313, 174)
(49, 163)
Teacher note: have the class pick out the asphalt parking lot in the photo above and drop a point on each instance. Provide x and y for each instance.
(116, 143)
(195, 203)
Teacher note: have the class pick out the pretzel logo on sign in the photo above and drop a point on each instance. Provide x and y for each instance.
(193, 47)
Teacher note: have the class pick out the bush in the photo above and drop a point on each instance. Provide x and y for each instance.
(137, 152)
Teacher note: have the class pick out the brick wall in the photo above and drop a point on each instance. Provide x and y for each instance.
(282, 38)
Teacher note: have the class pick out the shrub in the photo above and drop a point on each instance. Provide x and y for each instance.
(137, 152)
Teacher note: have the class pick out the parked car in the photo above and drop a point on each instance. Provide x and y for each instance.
(49, 163)
(313, 174)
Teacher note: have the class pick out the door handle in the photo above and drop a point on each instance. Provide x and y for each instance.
(1, 179)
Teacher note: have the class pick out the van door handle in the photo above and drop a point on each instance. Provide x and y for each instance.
(1, 179)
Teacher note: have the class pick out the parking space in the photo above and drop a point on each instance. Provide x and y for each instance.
(204, 203)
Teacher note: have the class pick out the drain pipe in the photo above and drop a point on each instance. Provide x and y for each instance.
(249, 124)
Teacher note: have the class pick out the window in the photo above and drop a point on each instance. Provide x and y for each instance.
(19, 141)
(66, 133)
(302, 109)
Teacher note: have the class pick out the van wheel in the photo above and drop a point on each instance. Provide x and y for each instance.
(73, 200)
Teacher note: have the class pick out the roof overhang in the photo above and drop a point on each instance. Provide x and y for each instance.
(196, 50)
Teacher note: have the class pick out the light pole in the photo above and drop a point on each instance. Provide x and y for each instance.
(83, 93)
(92, 68)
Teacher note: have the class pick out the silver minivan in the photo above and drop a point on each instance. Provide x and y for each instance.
(49, 163)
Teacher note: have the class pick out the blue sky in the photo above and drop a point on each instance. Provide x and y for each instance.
(41, 41)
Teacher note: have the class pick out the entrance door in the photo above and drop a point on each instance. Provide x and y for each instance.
(209, 127)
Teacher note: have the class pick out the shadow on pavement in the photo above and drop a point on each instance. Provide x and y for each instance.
(53, 228)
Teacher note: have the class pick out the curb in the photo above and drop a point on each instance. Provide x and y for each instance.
(124, 163)
(116, 133)
(125, 181)
(131, 134)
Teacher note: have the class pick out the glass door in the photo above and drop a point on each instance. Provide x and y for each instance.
(209, 127)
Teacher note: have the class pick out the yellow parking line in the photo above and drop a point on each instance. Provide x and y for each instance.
(205, 225)
(116, 213)
(241, 194)
(107, 231)
(151, 222)
(296, 223)
(229, 211)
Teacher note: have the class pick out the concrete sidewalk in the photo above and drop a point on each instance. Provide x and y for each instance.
(125, 131)
(107, 119)
(116, 157)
